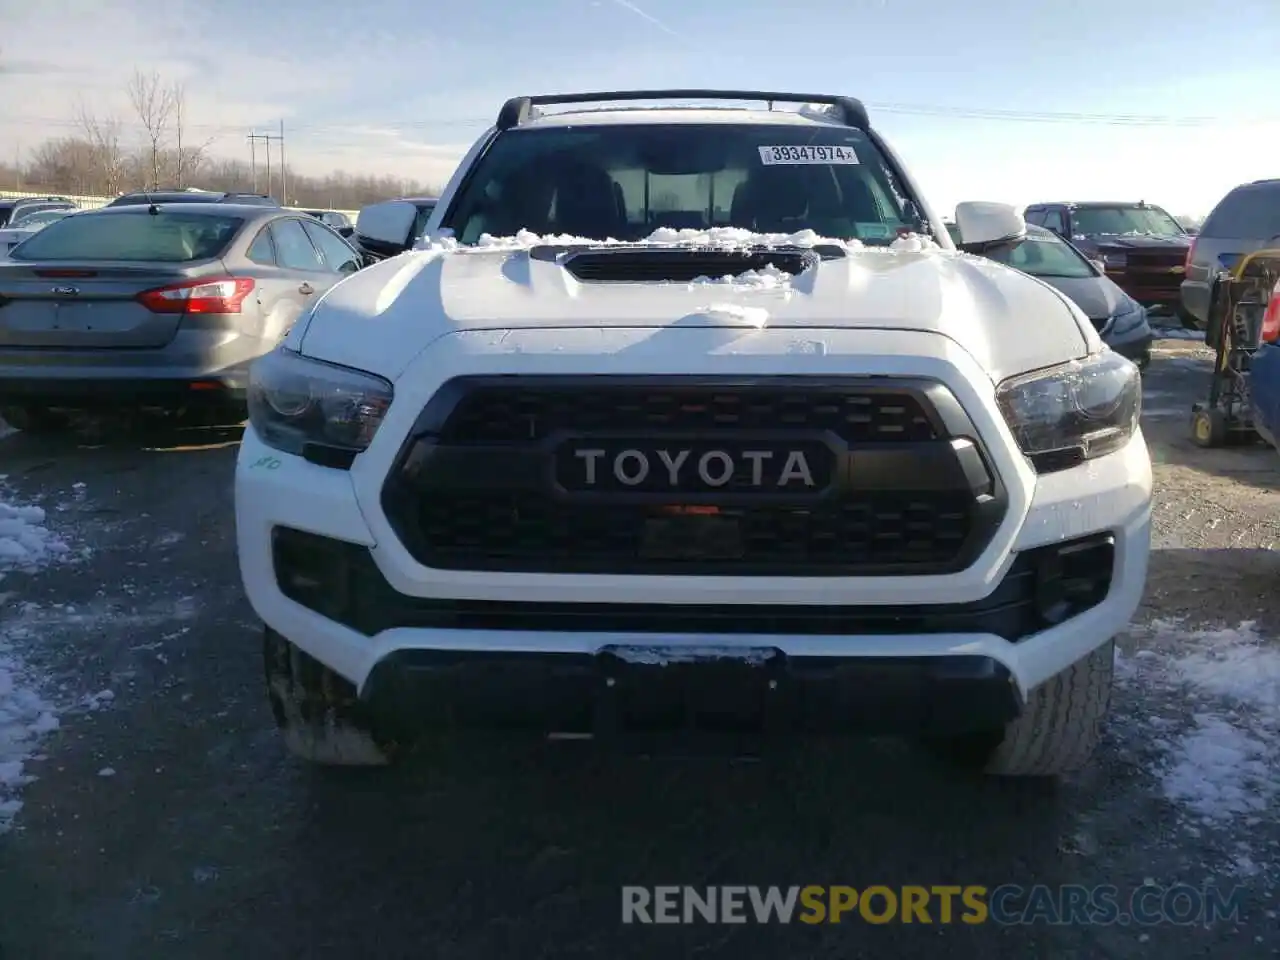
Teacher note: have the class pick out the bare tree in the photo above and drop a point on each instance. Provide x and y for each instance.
(153, 103)
(189, 155)
(103, 135)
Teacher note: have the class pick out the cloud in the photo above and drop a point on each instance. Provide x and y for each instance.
(314, 81)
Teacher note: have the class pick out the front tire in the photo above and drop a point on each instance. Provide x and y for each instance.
(319, 715)
(1057, 731)
(1187, 318)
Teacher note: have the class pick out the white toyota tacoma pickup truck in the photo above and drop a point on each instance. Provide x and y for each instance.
(693, 419)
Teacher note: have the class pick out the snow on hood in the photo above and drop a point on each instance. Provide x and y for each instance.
(716, 238)
(443, 287)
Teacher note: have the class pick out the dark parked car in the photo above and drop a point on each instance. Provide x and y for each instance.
(192, 196)
(406, 215)
(1245, 221)
(1143, 247)
(1120, 319)
(14, 209)
(155, 306)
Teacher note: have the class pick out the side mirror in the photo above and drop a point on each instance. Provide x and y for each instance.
(983, 224)
(386, 229)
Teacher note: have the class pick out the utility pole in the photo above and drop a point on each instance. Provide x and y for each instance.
(284, 184)
(266, 139)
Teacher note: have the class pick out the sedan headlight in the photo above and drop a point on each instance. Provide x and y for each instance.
(1065, 415)
(315, 409)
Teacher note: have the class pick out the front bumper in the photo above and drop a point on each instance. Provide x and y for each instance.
(1134, 344)
(612, 693)
(422, 636)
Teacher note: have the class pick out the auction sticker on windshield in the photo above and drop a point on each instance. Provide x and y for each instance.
(807, 153)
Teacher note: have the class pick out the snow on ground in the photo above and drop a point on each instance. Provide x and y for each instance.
(25, 715)
(1176, 333)
(25, 542)
(1211, 700)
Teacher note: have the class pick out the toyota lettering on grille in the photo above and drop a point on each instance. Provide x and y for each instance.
(630, 466)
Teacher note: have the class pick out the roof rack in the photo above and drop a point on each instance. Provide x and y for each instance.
(519, 110)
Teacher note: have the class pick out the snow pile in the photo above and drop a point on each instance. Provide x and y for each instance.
(1217, 697)
(732, 313)
(25, 542)
(822, 111)
(768, 277)
(914, 243)
(25, 716)
(716, 238)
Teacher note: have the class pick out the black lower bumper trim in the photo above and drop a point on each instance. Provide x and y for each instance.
(121, 392)
(1043, 587)
(606, 694)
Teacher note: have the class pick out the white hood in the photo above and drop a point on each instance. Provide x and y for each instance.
(382, 317)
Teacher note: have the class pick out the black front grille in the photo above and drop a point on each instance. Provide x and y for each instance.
(1172, 257)
(530, 532)
(501, 414)
(1044, 587)
(475, 486)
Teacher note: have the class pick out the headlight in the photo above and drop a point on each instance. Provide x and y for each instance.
(1073, 412)
(1115, 259)
(314, 409)
(1131, 316)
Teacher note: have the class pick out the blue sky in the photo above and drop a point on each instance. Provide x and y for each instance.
(403, 86)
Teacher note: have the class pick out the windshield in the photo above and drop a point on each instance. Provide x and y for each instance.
(1043, 254)
(165, 237)
(1099, 221)
(623, 182)
(40, 219)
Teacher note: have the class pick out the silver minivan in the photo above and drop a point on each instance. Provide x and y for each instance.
(1246, 220)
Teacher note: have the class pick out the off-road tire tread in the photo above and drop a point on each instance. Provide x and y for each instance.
(319, 716)
(1062, 722)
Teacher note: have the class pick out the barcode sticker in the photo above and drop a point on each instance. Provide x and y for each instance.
(771, 156)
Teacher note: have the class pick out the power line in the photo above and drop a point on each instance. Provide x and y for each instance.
(905, 109)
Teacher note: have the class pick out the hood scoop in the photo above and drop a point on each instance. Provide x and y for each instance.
(679, 264)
